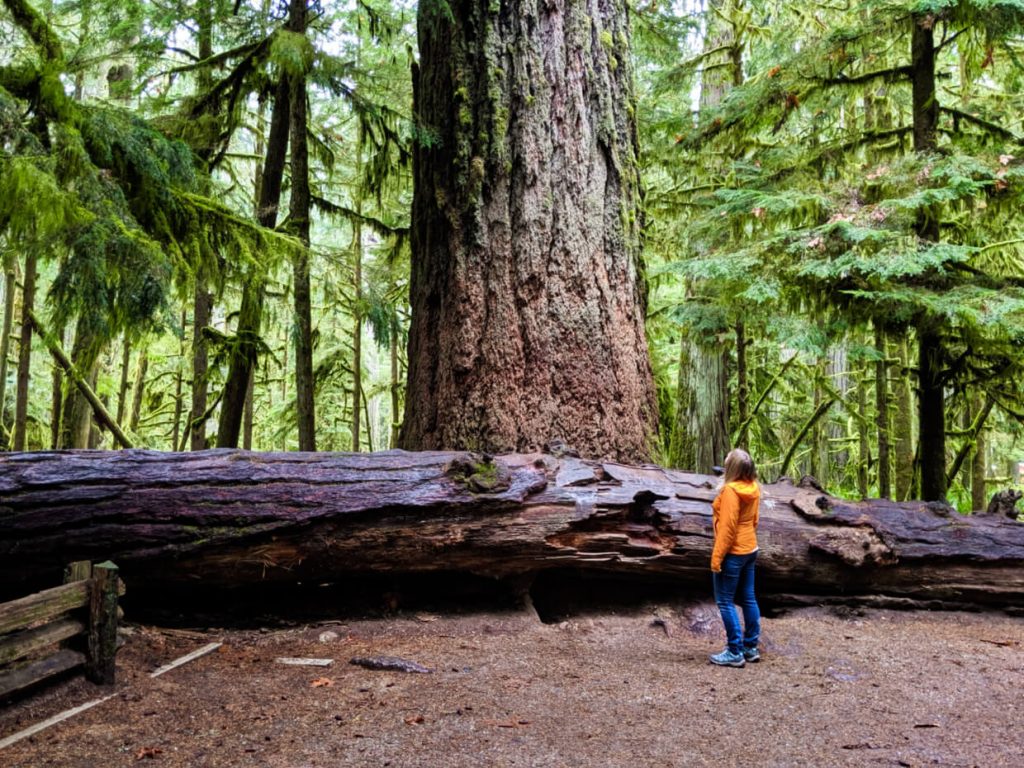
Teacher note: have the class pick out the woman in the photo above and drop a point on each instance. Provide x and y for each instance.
(732, 559)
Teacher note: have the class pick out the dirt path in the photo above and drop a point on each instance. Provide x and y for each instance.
(884, 688)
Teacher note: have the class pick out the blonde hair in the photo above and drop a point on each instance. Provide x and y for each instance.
(739, 466)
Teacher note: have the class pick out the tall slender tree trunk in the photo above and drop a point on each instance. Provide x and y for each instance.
(56, 396)
(527, 288)
(882, 413)
(863, 439)
(247, 421)
(357, 325)
(932, 413)
(179, 386)
(396, 386)
(10, 287)
(817, 462)
(742, 379)
(76, 419)
(250, 316)
(298, 213)
(979, 495)
(139, 390)
(122, 390)
(931, 416)
(202, 299)
(703, 397)
(28, 297)
(248, 413)
(903, 427)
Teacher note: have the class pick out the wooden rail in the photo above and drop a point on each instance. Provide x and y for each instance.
(76, 621)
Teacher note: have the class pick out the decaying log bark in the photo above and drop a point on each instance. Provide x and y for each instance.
(229, 517)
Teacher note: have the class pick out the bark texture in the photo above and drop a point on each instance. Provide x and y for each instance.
(526, 287)
(228, 518)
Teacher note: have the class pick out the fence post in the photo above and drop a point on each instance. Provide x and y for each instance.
(99, 666)
(80, 570)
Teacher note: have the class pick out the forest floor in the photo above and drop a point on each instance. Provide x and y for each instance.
(852, 688)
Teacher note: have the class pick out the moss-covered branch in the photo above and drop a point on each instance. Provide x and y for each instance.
(38, 31)
(333, 209)
(888, 75)
(988, 125)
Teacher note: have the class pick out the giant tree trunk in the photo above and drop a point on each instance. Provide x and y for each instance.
(527, 291)
(231, 518)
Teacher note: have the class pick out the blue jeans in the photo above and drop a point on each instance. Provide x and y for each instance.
(735, 584)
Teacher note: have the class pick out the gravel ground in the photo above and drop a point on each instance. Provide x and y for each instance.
(604, 689)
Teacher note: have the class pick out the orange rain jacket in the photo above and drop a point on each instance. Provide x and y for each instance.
(735, 521)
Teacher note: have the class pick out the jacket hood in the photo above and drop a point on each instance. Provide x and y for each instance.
(748, 490)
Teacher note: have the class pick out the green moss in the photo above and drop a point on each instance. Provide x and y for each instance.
(437, 10)
(480, 474)
(606, 40)
(477, 168)
(500, 126)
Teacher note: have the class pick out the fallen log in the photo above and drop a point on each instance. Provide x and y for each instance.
(231, 518)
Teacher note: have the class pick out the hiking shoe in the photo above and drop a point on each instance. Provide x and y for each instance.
(752, 655)
(728, 659)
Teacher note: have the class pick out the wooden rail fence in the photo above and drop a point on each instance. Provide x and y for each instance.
(77, 620)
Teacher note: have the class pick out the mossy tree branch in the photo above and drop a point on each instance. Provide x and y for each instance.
(38, 31)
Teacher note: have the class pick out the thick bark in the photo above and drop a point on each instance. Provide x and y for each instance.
(230, 518)
(527, 291)
(250, 316)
